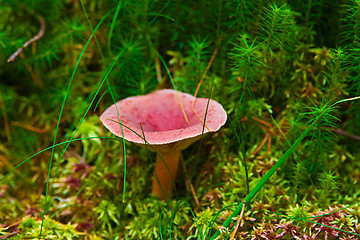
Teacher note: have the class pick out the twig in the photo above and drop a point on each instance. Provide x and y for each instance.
(37, 37)
(269, 144)
(201, 80)
(263, 122)
(8, 235)
(267, 136)
(344, 133)
(192, 189)
(157, 68)
(238, 222)
(34, 129)
(278, 130)
(28, 127)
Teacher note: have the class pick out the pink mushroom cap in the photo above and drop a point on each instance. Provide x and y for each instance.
(162, 119)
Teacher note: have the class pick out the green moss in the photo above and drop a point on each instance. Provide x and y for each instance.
(277, 68)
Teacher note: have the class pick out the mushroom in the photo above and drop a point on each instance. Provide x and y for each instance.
(169, 121)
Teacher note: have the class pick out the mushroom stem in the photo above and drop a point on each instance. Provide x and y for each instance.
(163, 176)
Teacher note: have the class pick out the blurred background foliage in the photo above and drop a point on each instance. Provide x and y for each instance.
(273, 65)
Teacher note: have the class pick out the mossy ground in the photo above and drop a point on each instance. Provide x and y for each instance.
(282, 71)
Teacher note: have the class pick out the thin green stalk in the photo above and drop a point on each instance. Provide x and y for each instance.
(52, 147)
(202, 133)
(173, 83)
(156, 175)
(173, 216)
(118, 7)
(60, 115)
(159, 14)
(107, 82)
(103, 60)
(92, 29)
(267, 176)
(243, 152)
